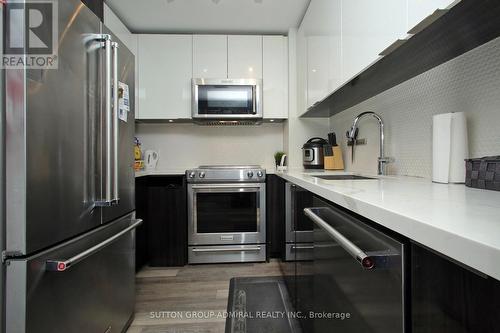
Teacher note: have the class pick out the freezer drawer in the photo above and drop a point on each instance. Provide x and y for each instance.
(93, 293)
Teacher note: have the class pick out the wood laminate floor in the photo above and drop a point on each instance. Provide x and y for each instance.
(189, 299)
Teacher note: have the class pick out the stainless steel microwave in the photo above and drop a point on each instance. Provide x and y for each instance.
(227, 99)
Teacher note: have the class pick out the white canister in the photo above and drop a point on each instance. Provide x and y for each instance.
(450, 148)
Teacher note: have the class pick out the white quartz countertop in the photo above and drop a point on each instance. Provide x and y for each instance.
(459, 222)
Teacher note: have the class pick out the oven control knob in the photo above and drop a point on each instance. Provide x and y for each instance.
(260, 174)
(202, 175)
(192, 174)
(250, 174)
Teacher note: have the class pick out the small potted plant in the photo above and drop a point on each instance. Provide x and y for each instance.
(280, 160)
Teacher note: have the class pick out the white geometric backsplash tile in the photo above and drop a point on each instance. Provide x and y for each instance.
(469, 83)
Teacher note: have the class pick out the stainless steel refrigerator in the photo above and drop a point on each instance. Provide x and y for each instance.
(69, 230)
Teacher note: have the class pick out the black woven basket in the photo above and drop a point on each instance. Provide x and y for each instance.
(483, 173)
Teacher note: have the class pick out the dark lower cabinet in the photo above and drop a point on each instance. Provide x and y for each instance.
(97, 6)
(141, 249)
(275, 216)
(161, 203)
(447, 298)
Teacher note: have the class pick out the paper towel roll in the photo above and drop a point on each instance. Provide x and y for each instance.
(450, 147)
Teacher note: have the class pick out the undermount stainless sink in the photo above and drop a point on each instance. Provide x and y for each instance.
(342, 177)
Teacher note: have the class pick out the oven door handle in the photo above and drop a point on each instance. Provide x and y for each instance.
(229, 249)
(225, 186)
(218, 188)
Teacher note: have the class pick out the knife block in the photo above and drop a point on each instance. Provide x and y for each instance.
(335, 161)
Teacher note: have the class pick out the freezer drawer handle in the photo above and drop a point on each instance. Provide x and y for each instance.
(365, 260)
(253, 249)
(63, 265)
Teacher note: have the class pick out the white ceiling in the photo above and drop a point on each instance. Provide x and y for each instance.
(210, 16)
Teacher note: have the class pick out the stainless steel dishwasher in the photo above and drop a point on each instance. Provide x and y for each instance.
(358, 283)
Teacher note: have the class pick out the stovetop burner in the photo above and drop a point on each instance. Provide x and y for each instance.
(226, 174)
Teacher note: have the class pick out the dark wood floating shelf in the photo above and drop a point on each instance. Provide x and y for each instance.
(467, 25)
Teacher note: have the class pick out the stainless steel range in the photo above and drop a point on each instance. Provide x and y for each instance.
(226, 214)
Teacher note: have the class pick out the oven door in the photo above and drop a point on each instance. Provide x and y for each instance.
(226, 214)
(226, 99)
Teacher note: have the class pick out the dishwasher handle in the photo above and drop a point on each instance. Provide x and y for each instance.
(63, 265)
(366, 261)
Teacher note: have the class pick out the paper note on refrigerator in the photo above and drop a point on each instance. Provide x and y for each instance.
(123, 101)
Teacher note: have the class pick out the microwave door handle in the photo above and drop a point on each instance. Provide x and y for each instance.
(116, 126)
(364, 259)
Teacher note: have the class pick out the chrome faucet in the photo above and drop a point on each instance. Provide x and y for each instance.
(353, 133)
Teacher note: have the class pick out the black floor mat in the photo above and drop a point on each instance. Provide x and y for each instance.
(260, 305)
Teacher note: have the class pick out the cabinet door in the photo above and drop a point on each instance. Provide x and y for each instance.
(448, 298)
(210, 56)
(368, 27)
(167, 221)
(322, 30)
(317, 68)
(244, 57)
(301, 50)
(275, 216)
(420, 9)
(275, 76)
(141, 211)
(165, 73)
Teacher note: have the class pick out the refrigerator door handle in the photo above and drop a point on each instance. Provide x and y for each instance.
(364, 259)
(63, 265)
(116, 109)
(108, 90)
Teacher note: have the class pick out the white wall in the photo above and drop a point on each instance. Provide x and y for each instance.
(469, 83)
(183, 146)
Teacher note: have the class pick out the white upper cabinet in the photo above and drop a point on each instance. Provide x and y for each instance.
(275, 76)
(420, 9)
(368, 27)
(321, 30)
(301, 53)
(318, 58)
(165, 72)
(210, 56)
(244, 57)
